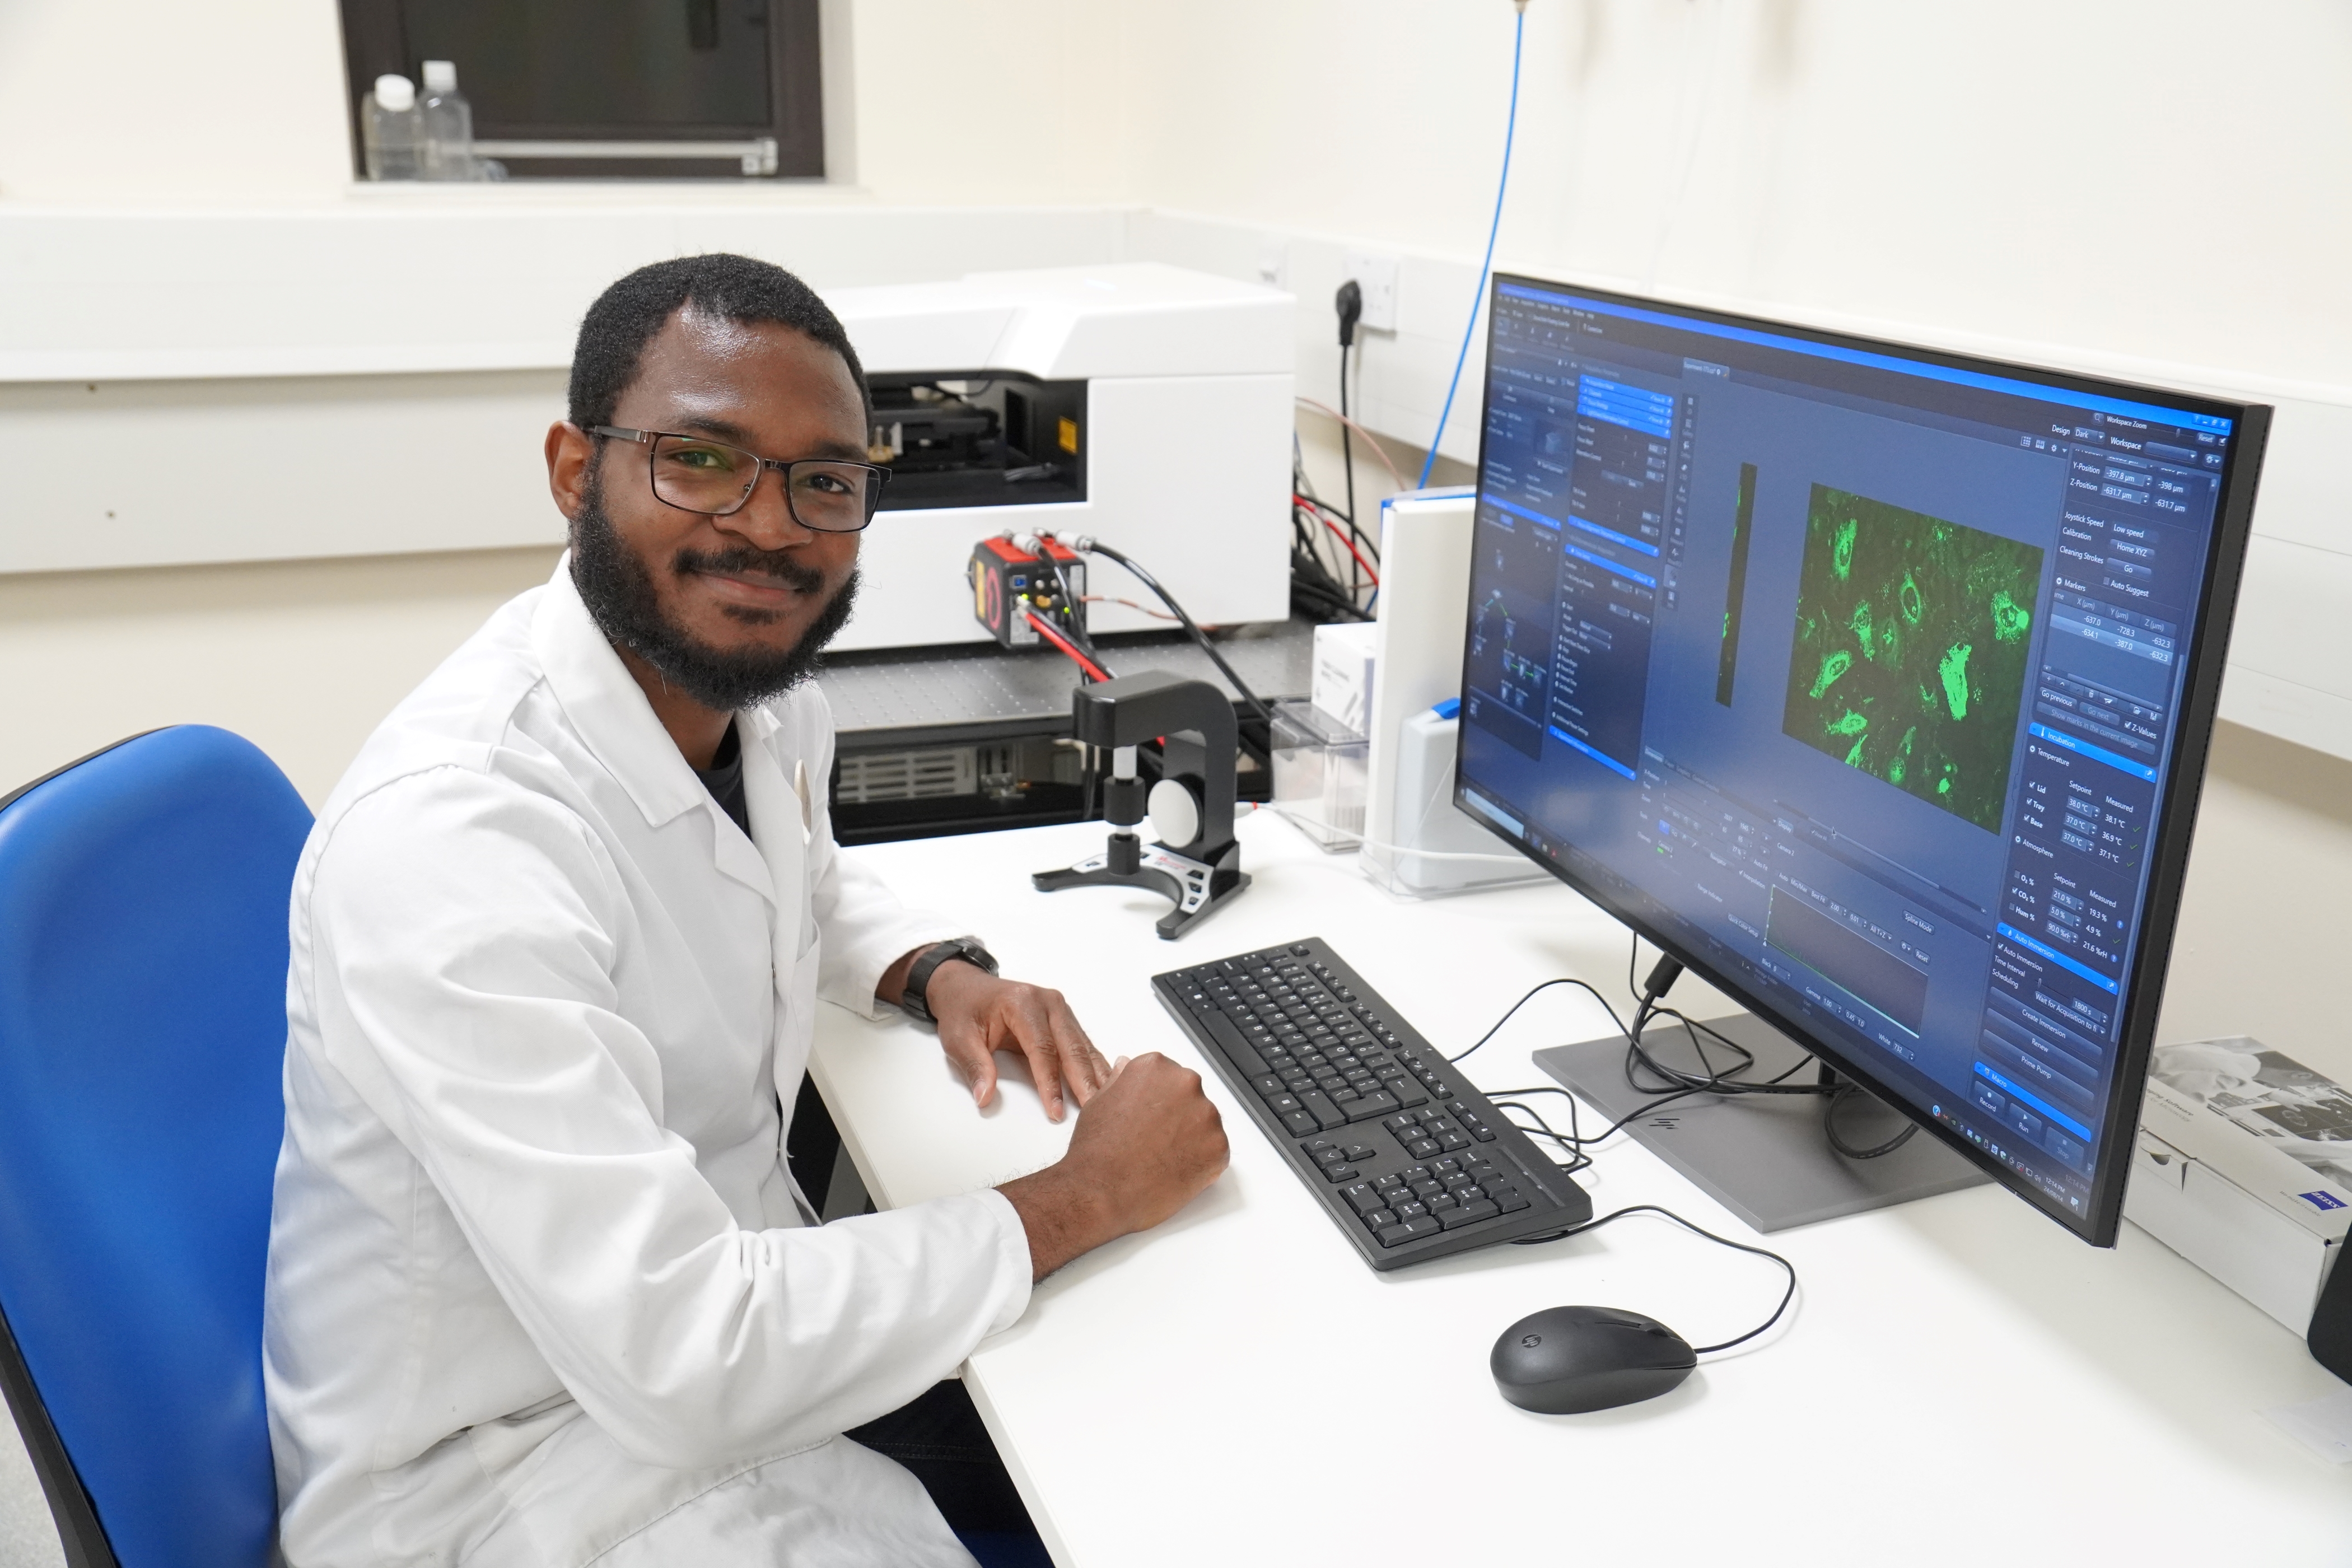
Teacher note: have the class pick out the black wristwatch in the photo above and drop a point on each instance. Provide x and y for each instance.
(927, 963)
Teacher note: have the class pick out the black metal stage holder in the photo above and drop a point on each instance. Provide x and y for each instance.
(1200, 746)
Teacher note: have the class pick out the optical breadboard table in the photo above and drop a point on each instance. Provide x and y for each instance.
(979, 691)
(1959, 1383)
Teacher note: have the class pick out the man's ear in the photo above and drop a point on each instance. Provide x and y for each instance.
(570, 450)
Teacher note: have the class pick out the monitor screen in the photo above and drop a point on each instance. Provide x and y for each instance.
(1873, 683)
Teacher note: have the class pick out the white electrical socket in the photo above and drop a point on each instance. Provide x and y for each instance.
(1274, 261)
(1377, 276)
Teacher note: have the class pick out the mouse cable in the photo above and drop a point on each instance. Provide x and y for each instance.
(1710, 1079)
(1830, 1091)
(1578, 1159)
(1531, 996)
(1786, 1296)
(1573, 1138)
(1649, 1004)
(1829, 1128)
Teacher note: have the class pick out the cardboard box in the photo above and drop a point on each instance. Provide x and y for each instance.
(2243, 1166)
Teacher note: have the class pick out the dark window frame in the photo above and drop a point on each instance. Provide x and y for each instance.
(375, 42)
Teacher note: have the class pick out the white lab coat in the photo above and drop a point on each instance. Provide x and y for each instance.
(541, 1290)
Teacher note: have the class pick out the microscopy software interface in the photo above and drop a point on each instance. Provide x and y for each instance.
(1855, 674)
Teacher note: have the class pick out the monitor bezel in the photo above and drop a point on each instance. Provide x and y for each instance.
(2178, 800)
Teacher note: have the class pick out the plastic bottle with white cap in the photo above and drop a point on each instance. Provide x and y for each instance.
(448, 125)
(391, 131)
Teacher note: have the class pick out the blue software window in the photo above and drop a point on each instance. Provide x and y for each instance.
(1855, 676)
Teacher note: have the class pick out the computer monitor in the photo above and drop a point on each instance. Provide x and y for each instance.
(1871, 682)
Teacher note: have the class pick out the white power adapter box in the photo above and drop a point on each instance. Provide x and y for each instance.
(1346, 654)
(2243, 1166)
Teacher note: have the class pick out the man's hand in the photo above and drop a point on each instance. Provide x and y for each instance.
(1147, 1144)
(979, 1015)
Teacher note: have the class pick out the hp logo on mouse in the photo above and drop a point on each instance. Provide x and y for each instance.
(1529, 1342)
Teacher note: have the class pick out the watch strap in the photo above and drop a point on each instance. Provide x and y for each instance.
(914, 999)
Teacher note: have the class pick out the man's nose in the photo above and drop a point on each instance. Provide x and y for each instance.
(766, 520)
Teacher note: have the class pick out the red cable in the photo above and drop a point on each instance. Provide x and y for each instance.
(1320, 510)
(1059, 641)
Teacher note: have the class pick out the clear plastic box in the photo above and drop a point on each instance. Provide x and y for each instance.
(1320, 774)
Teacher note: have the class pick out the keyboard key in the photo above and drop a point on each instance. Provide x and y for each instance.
(1454, 1141)
(1371, 1103)
(1282, 1105)
(1362, 1197)
(1358, 1153)
(1443, 1204)
(1386, 1183)
(1267, 1084)
(1411, 1210)
(1326, 1115)
(1379, 1220)
(1341, 1173)
(1301, 1125)
(1484, 1134)
(1400, 1124)
(1425, 1149)
(1469, 1214)
(1509, 1200)
(1406, 1230)
(1231, 1040)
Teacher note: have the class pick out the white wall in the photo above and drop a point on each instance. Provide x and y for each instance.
(302, 657)
(2158, 179)
(150, 102)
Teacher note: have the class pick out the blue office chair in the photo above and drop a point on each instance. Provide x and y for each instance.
(142, 1024)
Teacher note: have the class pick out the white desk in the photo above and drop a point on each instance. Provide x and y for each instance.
(1959, 1382)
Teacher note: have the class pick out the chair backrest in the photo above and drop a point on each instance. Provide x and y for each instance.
(142, 1028)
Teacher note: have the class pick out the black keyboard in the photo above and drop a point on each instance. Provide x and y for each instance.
(1410, 1162)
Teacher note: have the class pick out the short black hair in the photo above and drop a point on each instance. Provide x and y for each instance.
(625, 318)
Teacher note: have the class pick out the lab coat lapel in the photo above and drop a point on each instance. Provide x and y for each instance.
(608, 708)
(780, 829)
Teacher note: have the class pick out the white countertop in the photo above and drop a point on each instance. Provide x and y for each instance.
(1959, 1382)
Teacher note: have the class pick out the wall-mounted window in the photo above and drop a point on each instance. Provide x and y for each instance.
(613, 89)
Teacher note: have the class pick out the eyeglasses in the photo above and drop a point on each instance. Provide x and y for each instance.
(694, 473)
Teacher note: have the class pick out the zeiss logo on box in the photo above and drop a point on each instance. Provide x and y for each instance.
(2321, 1200)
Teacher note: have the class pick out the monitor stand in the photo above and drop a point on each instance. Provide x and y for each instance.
(1762, 1156)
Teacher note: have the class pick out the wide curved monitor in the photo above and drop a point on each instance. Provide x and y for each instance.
(1873, 683)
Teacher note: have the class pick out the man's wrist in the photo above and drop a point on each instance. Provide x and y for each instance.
(1063, 1217)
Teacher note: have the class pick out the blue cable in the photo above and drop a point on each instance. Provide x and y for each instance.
(1510, 129)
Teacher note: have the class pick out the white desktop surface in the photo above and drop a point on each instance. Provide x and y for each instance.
(1958, 1381)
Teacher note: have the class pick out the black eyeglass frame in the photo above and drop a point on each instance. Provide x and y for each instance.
(784, 466)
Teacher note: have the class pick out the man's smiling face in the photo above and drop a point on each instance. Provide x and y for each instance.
(728, 609)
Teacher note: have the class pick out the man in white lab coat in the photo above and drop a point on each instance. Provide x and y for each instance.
(542, 1290)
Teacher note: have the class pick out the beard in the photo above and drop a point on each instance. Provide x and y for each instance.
(619, 594)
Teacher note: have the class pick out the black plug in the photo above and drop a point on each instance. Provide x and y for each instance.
(1663, 976)
(1350, 301)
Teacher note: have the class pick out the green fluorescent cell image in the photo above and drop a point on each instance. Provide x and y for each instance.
(1909, 659)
